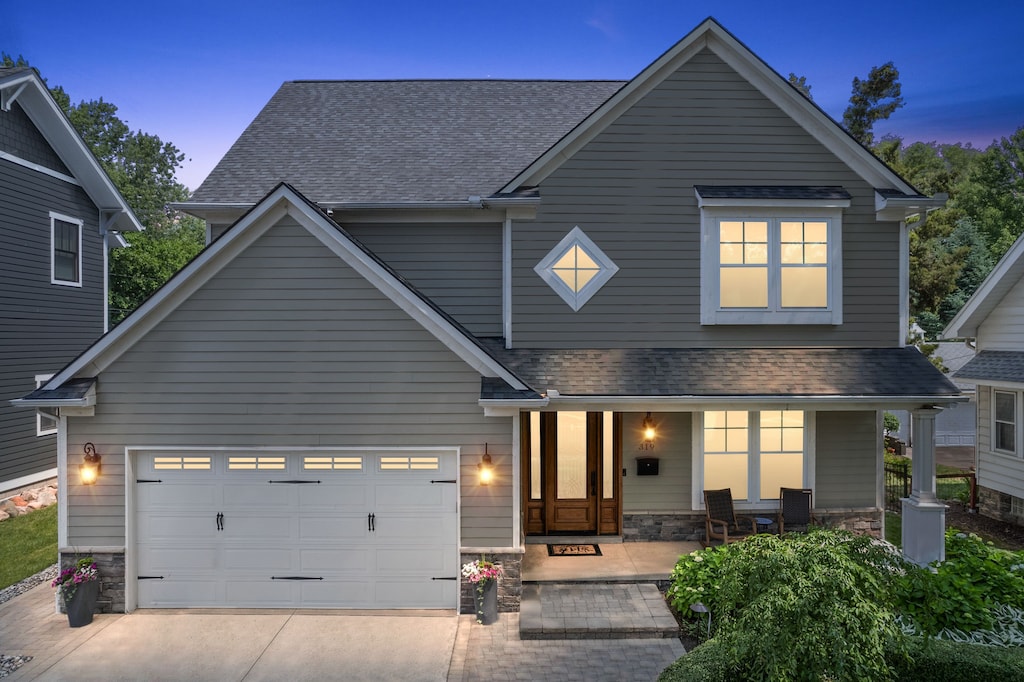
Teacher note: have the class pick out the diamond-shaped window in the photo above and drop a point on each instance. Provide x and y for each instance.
(576, 269)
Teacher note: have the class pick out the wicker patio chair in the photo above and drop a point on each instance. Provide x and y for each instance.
(796, 508)
(721, 520)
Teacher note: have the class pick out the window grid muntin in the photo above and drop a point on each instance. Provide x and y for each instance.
(565, 281)
(182, 463)
(409, 463)
(332, 463)
(257, 463)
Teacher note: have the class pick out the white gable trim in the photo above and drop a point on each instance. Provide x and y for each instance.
(710, 34)
(33, 97)
(39, 169)
(275, 206)
(1004, 276)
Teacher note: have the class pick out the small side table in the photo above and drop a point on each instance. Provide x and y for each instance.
(764, 524)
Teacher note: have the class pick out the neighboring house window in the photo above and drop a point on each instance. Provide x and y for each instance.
(770, 267)
(753, 453)
(576, 268)
(1005, 416)
(66, 250)
(45, 424)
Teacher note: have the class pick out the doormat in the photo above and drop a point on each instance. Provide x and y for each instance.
(574, 550)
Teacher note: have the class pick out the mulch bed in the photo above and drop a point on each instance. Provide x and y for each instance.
(1000, 533)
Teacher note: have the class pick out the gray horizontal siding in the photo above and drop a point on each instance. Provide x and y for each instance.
(996, 470)
(847, 455)
(287, 346)
(42, 326)
(458, 266)
(631, 191)
(670, 490)
(1003, 329)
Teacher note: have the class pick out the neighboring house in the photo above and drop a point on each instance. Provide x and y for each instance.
(994, 318)
(956, 426)
(514, 277)
(59, 213)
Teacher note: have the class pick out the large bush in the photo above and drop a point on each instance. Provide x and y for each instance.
(801, 607)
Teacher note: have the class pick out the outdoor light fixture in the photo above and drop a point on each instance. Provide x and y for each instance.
(486, 468)
(89, 470)
(649, 430)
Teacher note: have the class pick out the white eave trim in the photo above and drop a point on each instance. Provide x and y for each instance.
(900, 208)
(689, 401)
(1004, 276)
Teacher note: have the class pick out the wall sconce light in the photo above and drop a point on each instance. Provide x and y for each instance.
(89, 470)
(486, 468)
(649, 431)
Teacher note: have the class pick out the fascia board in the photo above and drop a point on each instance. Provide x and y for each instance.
(771, 203)
(72, 150)
(1004, 276)
(698, 403)
(182, 285)
(400, 294)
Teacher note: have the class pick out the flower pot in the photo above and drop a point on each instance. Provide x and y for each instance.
(485, 599)
(82, 603)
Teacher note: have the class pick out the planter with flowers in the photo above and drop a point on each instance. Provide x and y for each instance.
(483, 576)
(79, 587)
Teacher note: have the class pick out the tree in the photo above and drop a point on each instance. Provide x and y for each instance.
(800, 83)
(872, 100)
(142, 167)
(993, 193)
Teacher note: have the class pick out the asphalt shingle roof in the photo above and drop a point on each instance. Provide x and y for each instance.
(997, 365)
(771, 192)
(72, 389)
(399, 141)
(740, 372)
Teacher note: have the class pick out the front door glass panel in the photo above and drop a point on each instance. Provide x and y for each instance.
(572, 456)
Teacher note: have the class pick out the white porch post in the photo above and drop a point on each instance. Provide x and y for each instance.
(924, 516)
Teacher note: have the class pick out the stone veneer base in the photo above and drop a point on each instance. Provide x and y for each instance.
(510, 585)
(111, 569)
(997, 505)
(689, 526)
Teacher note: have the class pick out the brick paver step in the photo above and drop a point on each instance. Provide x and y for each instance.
(594, 611)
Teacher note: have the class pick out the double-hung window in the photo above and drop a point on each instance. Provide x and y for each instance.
(45, 424)
(1004, 418)
(753, 453)
(66, 250)
(771, 261)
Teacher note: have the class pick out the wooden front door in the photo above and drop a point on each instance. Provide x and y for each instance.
(571, 473)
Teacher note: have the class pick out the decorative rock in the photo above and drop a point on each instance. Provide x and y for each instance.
(4, 515)
(19, 501)
(27, 501)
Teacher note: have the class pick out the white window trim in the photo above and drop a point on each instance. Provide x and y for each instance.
(711, 313)
(54, 217)
(40, 431)
(576, 299)
(1018, 413)
(753, 462)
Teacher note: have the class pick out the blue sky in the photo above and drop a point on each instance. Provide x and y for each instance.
(196, 73)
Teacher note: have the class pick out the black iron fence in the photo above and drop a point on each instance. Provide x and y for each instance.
(898, 482)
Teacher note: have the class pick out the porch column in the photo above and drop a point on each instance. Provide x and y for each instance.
(924, 516)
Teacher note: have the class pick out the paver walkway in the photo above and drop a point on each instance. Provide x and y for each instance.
(496, 652)
(595, 611)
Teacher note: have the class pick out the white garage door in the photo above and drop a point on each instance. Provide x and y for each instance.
(309, 529)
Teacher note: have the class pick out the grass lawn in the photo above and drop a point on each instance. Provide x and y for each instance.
(894, 528)
(28, 544)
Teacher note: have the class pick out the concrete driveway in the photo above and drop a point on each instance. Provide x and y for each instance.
(226, 645)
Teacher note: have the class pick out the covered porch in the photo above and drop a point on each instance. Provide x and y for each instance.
(617, 562)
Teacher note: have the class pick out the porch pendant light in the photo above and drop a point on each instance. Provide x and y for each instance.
(649, 431)
(89, 469)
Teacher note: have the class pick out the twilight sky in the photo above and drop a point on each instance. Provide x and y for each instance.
(196, 73)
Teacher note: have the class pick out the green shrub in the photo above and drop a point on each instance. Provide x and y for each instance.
(962, 592)
(695, 578)
(709, 662)
(939, 661)
(809, 607)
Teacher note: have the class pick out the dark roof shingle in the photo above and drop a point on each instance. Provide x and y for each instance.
(771, 192)
(995, 365)
(721, 372)
(399, 141)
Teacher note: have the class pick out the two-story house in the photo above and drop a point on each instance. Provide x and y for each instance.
(59, 216)
(437, 318)
(992, 317)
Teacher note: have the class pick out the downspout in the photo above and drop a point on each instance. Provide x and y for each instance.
(506, 280)
(904, 275)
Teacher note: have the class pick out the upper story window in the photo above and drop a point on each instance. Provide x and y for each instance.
(66, 250)
(771, 259)
(576, 268)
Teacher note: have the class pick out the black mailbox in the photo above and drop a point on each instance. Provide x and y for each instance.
(646, 466)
